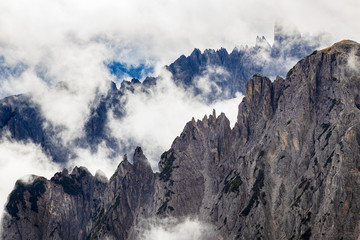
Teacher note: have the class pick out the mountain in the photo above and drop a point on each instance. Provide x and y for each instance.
(227, 73)
(214, 75)
(288, 169)
(21, 119)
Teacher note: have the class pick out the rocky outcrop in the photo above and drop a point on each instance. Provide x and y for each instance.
(59, 208)
(79, 205)
(288, 169)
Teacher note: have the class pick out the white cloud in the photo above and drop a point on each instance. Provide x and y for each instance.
(154, 120)
(172, 229)
(70, 40)
(354, 62)
(208, 81)
(18, 159)
(98, 161)
(161, 30)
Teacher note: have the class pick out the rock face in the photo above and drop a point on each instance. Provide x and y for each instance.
(289, 169)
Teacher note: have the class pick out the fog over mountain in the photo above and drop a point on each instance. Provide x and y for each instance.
(93, 126)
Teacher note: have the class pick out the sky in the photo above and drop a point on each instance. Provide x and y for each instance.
(75, 42)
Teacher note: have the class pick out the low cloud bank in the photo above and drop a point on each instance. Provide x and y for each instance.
(172, 229)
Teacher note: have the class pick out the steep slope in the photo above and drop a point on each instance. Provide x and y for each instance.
(287, 170)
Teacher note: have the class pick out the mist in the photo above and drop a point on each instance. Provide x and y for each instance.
(154, 118)
(18, 160)
(172, 229)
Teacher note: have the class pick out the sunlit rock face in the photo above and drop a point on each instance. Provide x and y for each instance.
(288, 169)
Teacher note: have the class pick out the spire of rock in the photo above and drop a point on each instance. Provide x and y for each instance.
(140, 161)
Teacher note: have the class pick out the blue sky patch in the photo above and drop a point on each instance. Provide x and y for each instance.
(122, 70)
(7, 71)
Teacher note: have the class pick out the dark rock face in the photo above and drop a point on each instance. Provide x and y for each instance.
(56, 209)
(287, 170)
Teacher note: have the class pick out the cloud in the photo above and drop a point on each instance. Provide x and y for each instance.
(154, 119)
(97, 162)
(71, 41)
(353, 62)
(19, 159)
(208, 82)
(172, 229)
(160, 31)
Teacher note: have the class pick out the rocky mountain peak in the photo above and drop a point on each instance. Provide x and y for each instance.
(258, 105)
(195, 53)
(123, 168)
(113, 86)
(141, 163)
(345, 46)
(80, 171)
(262, 43)
(130, 85)
(256, 88)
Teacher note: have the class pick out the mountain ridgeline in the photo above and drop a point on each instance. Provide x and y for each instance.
(212, 75)
(288, 169)
(227, 73)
